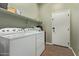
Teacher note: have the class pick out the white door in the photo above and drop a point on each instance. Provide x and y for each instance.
(61, 28)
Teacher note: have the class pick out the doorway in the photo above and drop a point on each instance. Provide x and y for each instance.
(61, 28)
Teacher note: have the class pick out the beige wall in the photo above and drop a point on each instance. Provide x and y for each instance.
(28, 9)
(45, 17)
(74, 26)
(75, 30)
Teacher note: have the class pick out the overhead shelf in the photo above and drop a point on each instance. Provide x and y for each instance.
(3, 11)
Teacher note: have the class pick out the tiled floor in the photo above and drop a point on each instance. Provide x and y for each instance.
(53, 50)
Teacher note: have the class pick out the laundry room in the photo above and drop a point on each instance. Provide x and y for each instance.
(39, 29)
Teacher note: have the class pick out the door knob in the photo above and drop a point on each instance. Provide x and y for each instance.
(53, 29)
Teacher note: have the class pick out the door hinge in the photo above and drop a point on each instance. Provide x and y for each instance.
(68, 14)
(52, 19)
(68, 29)
(68, 43)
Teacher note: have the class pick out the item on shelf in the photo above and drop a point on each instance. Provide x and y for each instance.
(13, 10)
(4, 5)
(18, 12)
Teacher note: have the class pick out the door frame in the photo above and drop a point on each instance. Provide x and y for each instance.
(68, 10)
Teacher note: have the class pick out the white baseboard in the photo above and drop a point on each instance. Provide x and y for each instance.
(49, 43)
(73, 51)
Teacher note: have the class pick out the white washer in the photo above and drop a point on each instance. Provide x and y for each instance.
(5, 35)
(28, 43)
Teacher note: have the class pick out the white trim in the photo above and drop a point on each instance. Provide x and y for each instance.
(72, 51)
(49, 43)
